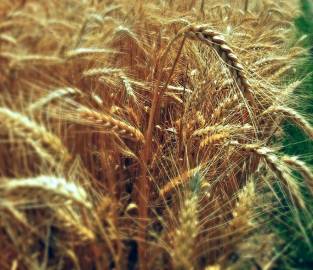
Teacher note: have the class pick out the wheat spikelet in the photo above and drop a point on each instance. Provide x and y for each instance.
(294, 116)
(109, 123)
(47, 185)
(33, 133)
(302, 168)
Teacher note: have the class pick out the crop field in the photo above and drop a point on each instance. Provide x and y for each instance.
(151, 135)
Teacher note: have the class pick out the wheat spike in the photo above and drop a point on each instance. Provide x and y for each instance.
(277, 168)
(28, 58)
(109, 123)
(53, 95)
(72, 223)
(243, 210)
(217, 41)
(302, 168)
(215, 139)
(223, 107)
(220, 128)
(293, 115)
(7, 39)
(179, 180)
(94, 72)
(33, 133)
(46, 185)
(81, 52)
(184, 238)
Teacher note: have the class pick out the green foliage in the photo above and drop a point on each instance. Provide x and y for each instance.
(291, 224)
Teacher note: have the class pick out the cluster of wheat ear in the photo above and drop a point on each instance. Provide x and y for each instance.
(135, 134)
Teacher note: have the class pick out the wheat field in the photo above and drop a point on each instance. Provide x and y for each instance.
(148, 134)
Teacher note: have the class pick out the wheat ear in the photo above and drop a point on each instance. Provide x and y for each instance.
(53, 95)
(72, 223)
(179, 180)
(243, 209)
(81, 52)
(294, 116)
(184, 238)
(302, 168)
(277, 168)
(37, 135)
(219, 128)
(7, 39)
(217, 41)
(223, 107)
(109, 123)
(45, 185)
